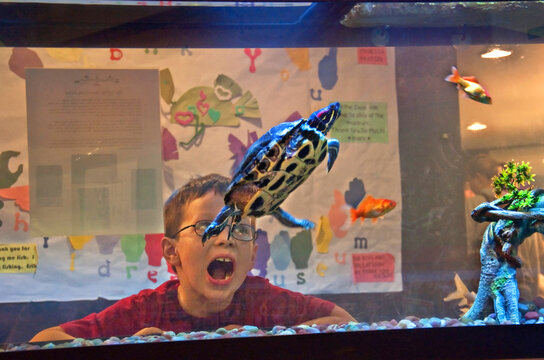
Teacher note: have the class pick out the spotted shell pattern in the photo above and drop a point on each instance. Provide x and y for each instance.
(285, 165)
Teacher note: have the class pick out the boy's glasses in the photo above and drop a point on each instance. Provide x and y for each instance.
(242, 232)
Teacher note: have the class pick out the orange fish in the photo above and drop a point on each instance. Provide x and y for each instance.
(470, 85)
(372, 208)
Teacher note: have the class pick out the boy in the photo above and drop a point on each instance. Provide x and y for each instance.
(213, 289)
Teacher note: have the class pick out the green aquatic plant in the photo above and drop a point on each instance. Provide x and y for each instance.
(512, 183)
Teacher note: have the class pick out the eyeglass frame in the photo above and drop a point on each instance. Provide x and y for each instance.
(230, 230)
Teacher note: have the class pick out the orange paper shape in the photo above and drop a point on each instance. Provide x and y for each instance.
(337, 216)
(19, 194)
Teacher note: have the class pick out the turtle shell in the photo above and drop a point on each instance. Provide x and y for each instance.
(274, 166)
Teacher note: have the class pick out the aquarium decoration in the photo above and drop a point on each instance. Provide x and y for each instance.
(274, 166)
(517, 214)
(514, 15)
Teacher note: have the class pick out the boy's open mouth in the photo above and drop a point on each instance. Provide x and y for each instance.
(221, 268)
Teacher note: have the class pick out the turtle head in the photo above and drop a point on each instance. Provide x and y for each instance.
(323, 119)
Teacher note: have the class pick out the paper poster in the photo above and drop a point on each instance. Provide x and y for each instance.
(18, 258)
(211, 105)
(94, 151)
(362, 122)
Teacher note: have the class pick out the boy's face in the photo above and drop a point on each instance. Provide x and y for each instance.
(214, 271)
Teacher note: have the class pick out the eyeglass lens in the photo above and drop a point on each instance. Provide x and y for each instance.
(242, 232)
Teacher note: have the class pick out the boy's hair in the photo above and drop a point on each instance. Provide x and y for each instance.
(484, 164)
(194, 189)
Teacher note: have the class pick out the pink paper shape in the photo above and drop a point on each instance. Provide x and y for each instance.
(153, 249)
(372, 55)
(169, 146)
(201, 105)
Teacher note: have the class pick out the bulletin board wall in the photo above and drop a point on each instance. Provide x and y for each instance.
(214, 103)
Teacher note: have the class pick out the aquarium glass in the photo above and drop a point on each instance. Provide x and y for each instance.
(425, 209)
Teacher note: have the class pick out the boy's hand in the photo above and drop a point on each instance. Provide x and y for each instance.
(149, 331)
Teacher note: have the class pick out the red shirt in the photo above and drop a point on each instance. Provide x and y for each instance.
(257, 303)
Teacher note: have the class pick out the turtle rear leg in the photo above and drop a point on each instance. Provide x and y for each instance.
(220, 221)
(333, 146)
(289, 220)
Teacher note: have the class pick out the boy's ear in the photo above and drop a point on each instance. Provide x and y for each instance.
(169, 251)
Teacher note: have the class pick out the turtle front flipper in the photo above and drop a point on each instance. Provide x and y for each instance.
(220, 221)
(289, 220)
(333, 146)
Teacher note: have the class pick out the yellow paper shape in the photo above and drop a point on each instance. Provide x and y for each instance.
(324, 235)
(18, 258)
(167, 85)
(78, 242)
(65, 54)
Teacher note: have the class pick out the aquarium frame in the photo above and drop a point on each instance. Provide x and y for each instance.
(66, 25)
(28, 24)
(474, 342)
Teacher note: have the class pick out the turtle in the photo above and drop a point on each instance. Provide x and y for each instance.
(274, 166)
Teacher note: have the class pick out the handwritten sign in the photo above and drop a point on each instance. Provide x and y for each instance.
(373, 267)
(18, 258)
(372, 55)
(362, 122)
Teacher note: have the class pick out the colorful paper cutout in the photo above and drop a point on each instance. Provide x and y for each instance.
(263, 253)
(252, 56)
(280, 251)
(22, 58)
(208, 105)
(8, 178)
(166, 85)
(106, 243)
(169, 146)
(239, 149)
(133, 246)
(65, 54)
(301, 249)
(153, 249)
(324, 235)
(300, 57)
(328, 70)
(293, 117)
(19, 194)
(355, 193)
(77, 243)
(337, 216)
(116, 54)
